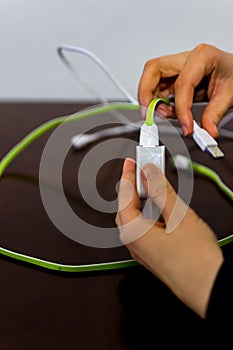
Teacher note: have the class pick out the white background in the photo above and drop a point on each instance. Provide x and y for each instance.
(124, 34)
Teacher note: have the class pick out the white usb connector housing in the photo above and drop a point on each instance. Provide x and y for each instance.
(148, 151)
(206, 142)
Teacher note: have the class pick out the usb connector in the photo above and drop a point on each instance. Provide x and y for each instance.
(214, 151)
(206, 142)
(148, 151)
(149, 135)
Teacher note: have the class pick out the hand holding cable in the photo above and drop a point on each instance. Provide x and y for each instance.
(202, 74)
(172, 257)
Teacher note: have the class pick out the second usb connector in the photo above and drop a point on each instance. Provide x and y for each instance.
(148, 151)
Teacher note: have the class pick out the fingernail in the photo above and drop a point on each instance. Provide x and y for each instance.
(214, 130)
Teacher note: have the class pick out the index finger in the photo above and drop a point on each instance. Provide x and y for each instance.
(155, 69)
(198, 66)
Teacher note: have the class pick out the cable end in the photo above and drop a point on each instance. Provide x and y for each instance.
(214, 151)
(149, 135)
(206, 142)
(181, 162)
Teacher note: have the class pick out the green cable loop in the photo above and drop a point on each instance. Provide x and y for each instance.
(18, 148)
(26, 141)
(68, 268)
(13, 153)
(211, 174)
(151, 109)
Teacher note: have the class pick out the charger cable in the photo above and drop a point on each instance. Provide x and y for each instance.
(206, 142)
(26, 141)
(182, 162)
(98, 61)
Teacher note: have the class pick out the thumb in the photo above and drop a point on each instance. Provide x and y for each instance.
(164, 196)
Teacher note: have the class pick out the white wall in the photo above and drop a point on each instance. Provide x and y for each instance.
(122, 33)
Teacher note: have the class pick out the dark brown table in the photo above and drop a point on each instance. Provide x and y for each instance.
(118, 309)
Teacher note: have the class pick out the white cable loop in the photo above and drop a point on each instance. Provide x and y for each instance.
(96, 59)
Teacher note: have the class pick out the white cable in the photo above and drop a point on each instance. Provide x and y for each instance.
(89, 88)
(93, 57)
(80, 141)
(83, 140)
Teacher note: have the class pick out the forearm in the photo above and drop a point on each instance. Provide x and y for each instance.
(186, 263)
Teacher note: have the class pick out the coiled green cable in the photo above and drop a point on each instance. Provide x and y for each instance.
(53, 123)
(211, 174)
(182, 162)
(214, 177)
(36, 133)
(68, 268)
(18, 148)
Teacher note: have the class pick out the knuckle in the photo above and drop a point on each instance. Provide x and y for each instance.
(207, 51)
(152, 65)
(202, 47)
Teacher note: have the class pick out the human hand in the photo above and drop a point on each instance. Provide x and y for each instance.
(188, 258)
(205, 72)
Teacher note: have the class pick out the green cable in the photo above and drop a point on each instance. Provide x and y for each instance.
(68, 268)
(27, 140)
(18, 148)
(218, 181)
(13, 153)
(213, 176)
(151, 109)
